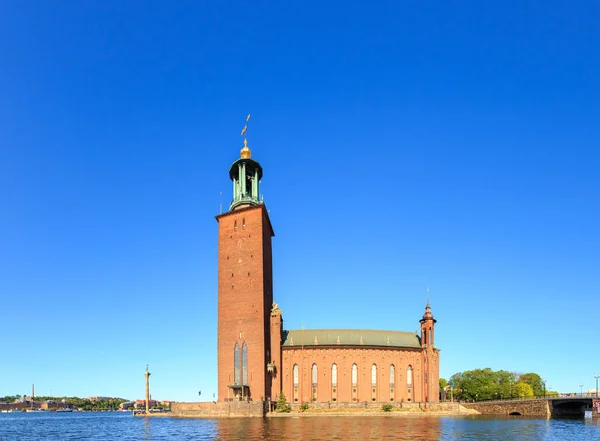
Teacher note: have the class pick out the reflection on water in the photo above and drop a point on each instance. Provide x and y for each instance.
(406, 428)
(120, 426)
(331, 428)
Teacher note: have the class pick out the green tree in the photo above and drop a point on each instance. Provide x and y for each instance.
(484, 384)
(523, 390)
(282, 406)
(535, 381)
(443, 383)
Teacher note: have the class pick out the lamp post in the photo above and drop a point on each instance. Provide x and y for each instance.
(596, 376)
(581, 389)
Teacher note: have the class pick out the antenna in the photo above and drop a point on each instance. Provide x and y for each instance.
(220, 202)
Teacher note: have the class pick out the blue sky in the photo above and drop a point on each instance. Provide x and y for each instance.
(408, 144)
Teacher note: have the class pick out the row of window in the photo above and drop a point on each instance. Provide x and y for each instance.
(243, 224)
(314, 375)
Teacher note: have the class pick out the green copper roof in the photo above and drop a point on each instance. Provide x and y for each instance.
(350, 337)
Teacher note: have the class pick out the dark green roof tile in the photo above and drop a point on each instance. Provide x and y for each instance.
(350, 337)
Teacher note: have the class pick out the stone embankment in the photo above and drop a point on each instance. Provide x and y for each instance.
(528, 407)
(259, 409)
(375, 409)
(214, 410)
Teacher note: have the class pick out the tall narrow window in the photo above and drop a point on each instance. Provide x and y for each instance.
(374, 375)
(334, 375)
(354, 382)
(244, 223)
(392, 381)
(234, 225)
(409, 376)
(295, 373)
(237, 374)
(314, 382)
(244, 364)
(429, 337)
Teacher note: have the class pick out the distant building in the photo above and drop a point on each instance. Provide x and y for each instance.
(141, 404)
(258, 359)
(128, 405)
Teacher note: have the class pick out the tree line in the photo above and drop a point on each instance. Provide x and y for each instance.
(74, 402)
(486, 384)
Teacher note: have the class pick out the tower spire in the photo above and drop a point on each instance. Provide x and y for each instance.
(246, 174)
(245, 152)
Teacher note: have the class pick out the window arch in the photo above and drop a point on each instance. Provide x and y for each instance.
(237, 374)
(334, 375)
(354, 374)
(392, 375)
(244, 364)
(295, 375)
(374, 375)
(409, 376)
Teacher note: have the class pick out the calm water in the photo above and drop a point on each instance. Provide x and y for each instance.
(122, 426)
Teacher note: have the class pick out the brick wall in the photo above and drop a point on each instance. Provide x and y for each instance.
(344, 358)
(245, 296)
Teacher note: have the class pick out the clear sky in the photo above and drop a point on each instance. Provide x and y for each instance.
(405, 144)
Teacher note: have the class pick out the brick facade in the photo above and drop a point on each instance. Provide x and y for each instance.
(344, 357)
(245, 296)
(248, 318)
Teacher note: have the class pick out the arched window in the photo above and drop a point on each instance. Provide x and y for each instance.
(334, 375)
(354, 374)
(392, 375)
(244, 223)
(237, 374)
(314, 374)
(244, 363)
(234, 225)
(295, 374)
(374, 375)
(409, 376)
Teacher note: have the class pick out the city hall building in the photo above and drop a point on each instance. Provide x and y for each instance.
(258, 359)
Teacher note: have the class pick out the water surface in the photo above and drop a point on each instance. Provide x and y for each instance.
(122, 426)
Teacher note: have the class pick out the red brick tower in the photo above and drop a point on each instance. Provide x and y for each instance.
(245, 288)
(430, 357)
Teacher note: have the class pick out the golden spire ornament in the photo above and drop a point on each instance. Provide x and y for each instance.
(245, 152)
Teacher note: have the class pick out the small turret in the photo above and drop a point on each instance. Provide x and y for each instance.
(427, 327)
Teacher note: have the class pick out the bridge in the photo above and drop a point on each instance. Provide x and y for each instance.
(563, 406)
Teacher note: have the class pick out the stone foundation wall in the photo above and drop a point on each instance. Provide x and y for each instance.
(520, 407)
(219, 409)
(596, 409)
